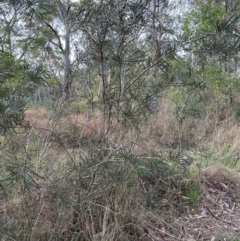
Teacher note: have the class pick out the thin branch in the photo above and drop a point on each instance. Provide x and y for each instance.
(59, 45)
(222, 220)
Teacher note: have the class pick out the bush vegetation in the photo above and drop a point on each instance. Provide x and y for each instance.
(117, 122)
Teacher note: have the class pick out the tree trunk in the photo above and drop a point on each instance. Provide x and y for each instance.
(63, 9)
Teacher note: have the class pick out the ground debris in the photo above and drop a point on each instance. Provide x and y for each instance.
(217, 218)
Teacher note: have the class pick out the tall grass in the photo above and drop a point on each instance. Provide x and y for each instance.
(59, 181)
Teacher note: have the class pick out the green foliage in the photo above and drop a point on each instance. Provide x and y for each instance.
(75, 107)
(122, 62)
(18, 168)
(23, 174)
(149, 166)
(193, 109)
(193, 193)
(235, 239)
(203, 19)
(211, 29)
(203, 88)
(129, 88)
(18, 81)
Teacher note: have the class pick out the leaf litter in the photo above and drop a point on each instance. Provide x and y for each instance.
(217, 217)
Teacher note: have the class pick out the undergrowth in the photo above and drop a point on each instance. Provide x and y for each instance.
(60, 181)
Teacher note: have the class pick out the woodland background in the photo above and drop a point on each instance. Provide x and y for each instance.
(119, 120)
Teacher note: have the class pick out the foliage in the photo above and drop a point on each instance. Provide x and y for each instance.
(203, 19)
(193, 192)
(212, 29)
(130, 54)
(145, 108)
(18, 81)
(235, 239)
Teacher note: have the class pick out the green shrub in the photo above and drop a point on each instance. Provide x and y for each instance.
(235, 239)
(193, 193)
(18, 81)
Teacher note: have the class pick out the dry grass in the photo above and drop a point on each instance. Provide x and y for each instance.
(108, 200)
(227, 132)
(121, 191)
(72, 127)
(38, 117)
(68, 130)
(201, 133)
(162, 129)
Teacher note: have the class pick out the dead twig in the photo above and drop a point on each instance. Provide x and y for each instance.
(222, 220)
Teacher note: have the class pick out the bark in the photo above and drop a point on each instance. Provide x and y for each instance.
(63, 9)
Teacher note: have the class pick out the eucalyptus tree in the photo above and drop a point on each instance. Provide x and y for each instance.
(56, 18)
(49, 34)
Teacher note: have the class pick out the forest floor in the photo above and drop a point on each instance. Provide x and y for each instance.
(217, 215)
(201, 204)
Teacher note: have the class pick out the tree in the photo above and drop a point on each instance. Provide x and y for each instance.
(49, 25)
(130, 47)
(212, 33)
(212, 29)
(9, 26)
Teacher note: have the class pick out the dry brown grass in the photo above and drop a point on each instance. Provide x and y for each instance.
(111, 193)
(162, 129)
(209, 131)
(68, 128)
(39, 117)
(104, 206)
(227, 132)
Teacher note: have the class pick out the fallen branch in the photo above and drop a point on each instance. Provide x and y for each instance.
(222, 220)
